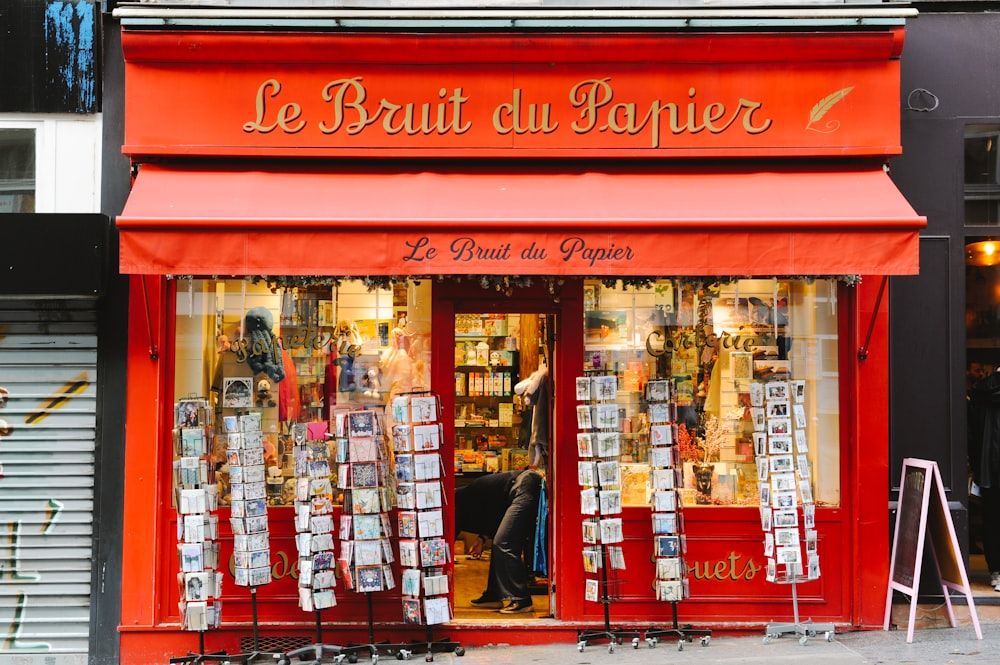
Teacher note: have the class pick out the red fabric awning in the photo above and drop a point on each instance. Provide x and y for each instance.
(829, 220)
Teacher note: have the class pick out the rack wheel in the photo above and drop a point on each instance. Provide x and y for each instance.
(680, 645)
(459, 651)
(635, 642)
(767, 639)
(803, 640)
(651, 641)
(611, 648)
(353, 658)
(429, 658)
(829, 636)
(705, 640)
(580, 645)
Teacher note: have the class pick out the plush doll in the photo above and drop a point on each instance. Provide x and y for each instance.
(372, 383)
(265, 396)
(265, 349)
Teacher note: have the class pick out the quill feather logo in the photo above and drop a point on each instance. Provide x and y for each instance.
(823, 107)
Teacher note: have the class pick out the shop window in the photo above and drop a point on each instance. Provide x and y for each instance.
(17, 170)
(982, 175)
(296, 354)
(723, 346)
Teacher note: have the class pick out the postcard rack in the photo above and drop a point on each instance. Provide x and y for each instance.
(196, 497)
(599, 475)
(364, 476)
(671, 583)
(787, 509)
(424, 553)
(248, 514)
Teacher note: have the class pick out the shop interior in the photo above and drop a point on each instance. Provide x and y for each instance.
(982, 320)
(501, 390)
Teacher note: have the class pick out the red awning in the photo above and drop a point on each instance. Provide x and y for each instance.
(658, 221)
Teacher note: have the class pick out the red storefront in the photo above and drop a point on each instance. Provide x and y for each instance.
(559, 160)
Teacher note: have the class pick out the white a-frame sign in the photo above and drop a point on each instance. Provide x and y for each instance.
(922, 511)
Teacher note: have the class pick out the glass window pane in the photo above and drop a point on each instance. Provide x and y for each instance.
(296, 355)
(17, 170)
(982, 185)
(754, 374)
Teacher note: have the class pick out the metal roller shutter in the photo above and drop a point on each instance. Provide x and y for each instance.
(48, 379)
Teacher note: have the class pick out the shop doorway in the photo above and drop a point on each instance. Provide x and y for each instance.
(503, 429)
(982, 321)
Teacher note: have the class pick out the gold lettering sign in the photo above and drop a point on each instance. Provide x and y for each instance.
(350, 109)
(730, 569)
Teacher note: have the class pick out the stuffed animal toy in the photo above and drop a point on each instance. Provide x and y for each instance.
(265, 396)
(372, 383)
(265, 349)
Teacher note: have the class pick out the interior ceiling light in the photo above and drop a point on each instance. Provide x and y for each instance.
(982, 253)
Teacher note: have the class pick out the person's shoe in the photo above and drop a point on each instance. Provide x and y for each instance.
(487, 603)
(994, 579)
(517, 607)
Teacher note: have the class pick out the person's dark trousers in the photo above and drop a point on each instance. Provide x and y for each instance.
(508, 576)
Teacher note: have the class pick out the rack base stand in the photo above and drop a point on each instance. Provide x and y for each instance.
(685, 634)
(219, 657)
(201, 656)
(804, 629)
(256, 654)
(313, 654)
(614, 636)
(401, 651)
(430, 647)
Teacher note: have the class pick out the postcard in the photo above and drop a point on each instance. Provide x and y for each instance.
(659, 413)
(361, 423)
(583, 389)
(237, 392)
(606, 388)
(426, 437)
(786, 518)
(437, 610)
(661, 435)
(424, 409)
(665, 501)
(608, 444)
(658, 391)
(411, 611)
(611, 530)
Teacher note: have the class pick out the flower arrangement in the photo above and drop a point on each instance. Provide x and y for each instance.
(702, 449)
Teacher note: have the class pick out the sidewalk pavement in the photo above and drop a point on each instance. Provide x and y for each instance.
(935, 642)
(933, 646)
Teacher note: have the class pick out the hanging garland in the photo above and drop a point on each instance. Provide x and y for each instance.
(505, 284)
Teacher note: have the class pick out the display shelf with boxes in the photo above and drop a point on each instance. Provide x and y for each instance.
(487, 411)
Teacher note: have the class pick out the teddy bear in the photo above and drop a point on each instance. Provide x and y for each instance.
(372, 383)
(265, 396)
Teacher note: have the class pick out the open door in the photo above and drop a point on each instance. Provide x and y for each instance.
(503, 428)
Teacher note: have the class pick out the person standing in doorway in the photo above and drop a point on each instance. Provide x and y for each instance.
(503, 507)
